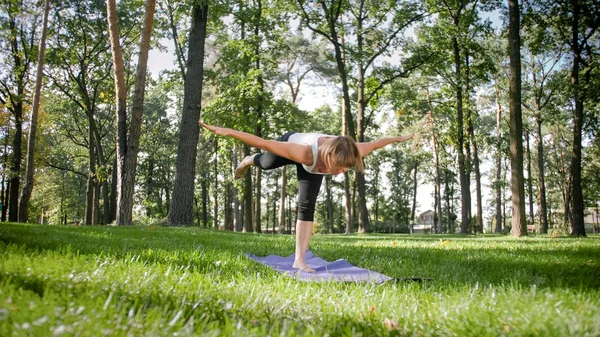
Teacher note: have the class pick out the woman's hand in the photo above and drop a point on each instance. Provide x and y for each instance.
(405, 138)
(215, 129)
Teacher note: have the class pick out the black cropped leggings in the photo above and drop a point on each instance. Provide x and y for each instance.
(308, 184)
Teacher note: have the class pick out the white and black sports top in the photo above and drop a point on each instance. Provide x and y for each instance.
(311, 139)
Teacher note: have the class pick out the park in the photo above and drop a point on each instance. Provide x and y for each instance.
(299, 168)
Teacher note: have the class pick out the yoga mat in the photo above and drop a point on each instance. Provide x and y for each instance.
(339, 270)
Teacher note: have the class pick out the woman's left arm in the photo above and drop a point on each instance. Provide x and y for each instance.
(368, 147)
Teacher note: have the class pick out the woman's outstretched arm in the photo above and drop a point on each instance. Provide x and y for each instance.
(368, 147)
(297, 152)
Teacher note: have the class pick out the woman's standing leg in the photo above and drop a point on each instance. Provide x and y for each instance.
(303, 234)
(308, 190)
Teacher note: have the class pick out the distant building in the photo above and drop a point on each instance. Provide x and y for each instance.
(590, 219)
(424, 223)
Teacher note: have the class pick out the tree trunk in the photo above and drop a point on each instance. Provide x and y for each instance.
(448, 206)
(498, 184)
(204, 197)
(128, 146)
(237, 215)
(414, 203)
(348, 204)
(89, 189)
(478, 185)
(15, 171)
(5, 183)
(542, 185)
(329, 204)
(462, 169)
(438, 188)
(259, 109)
(216, 187)
(121, 104)
(30, 167)
(475, 163)
(529, 179)
(113, 192)
(519, 221)
(578, 226)
(282, 196)
(247, 195)
(181, 208)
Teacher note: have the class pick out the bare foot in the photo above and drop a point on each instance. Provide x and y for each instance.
(240, 171)
(303, 266)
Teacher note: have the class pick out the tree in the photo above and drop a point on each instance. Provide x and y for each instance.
(17, 41)
(585, 21)
(30, 168)
(454, 38)
(519, 221)
(377, 28)
(77, 67)
(544, 54)
(128, 146)
(181, 208)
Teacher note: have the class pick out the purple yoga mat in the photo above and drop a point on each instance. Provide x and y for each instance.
(339, 270)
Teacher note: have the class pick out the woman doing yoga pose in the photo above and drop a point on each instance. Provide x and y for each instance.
(314, 155)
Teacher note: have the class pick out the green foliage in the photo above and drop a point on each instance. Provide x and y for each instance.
(148, 280)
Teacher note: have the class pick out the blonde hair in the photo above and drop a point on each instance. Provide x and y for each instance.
(342, 151)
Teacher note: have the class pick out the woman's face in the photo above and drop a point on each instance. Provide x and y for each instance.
(335, 170)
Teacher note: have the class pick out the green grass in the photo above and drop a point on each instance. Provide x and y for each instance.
(147, 281)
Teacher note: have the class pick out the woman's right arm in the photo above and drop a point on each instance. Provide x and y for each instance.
(296, 152)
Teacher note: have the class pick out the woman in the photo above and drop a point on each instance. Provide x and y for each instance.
(314, 155)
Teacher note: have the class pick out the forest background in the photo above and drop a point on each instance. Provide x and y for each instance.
(87, 139)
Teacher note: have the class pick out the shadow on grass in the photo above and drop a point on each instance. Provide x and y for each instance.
(449, 259)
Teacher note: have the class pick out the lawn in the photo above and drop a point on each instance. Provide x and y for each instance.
(156, 281)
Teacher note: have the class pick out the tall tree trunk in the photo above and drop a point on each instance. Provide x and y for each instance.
(96, 202)
(121, 102)
(89, 189)
(15, 170)
(475, 162)
(247, 195)
(348, 204)
(529, 178)
(577, 226)
(477, 185)
(414, 201)
(438, 188)
(329, 204)
(282, 197)
(363, 216)
(181, 208)
(237, 214)
(4, 195)
(227, 209)
(519, 221)
(30, 167)
(448, 193)
(204, 197)
(541, 179)
(128, 145)
(498, 184)
(462, 169)
(216, 187)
